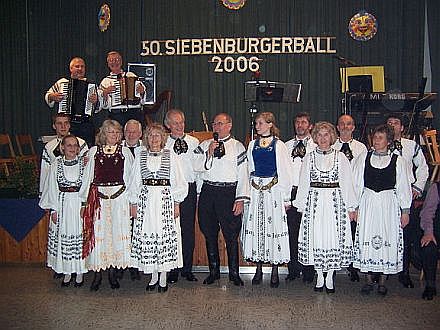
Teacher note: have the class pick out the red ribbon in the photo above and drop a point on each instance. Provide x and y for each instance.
(91, 213)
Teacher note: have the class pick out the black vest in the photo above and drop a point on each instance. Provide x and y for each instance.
(379, 179)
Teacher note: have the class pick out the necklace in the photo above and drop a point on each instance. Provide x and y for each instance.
(265, 141)
(109, 149)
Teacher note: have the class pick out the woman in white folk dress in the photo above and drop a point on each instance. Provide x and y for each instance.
(383, 183)
(106, 209)
(157, 188)
(264, 234)
(60, 196)
(327, 201)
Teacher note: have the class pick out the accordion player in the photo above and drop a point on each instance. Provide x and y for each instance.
(76, 95)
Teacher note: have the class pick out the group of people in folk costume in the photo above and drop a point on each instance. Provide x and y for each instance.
(317, 203)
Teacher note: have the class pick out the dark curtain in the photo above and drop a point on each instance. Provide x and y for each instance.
(433, 10)
(40, 37)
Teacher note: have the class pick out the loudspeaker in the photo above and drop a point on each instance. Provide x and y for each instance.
(147, 74)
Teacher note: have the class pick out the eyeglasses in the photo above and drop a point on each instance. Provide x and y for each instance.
(219, 123)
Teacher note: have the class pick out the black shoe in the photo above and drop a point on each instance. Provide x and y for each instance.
(236, 280)
(189, 277)
(291, 277)
(162, 289)
(318, 288)
(354, 276)
(405, 279)
(274, 280)
(57, 275)
(211, 278)
(134, 274)
(429, 293)
(308, 276)
(96, 282)
(65, 284)
(78, 284)
(367, 288)
(119, 273)
(152, 287)
(258, 277)
(332, 290)
(382, 290)
(173, 276)
(113, 279)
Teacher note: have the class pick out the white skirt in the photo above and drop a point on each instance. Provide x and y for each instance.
(324, 239)
(65, 238)
(264, 233)
(379, 238)
(157, 242)
(112, 233)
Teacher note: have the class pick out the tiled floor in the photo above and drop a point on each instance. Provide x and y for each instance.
(31, 299)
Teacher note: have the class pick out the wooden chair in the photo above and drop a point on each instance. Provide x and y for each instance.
(7, 155)
(430, 139)
(26, 148)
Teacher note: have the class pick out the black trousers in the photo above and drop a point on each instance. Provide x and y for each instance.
(411, 238)
(429, 262)
(293, 224)
(187, 220)
(215, 212)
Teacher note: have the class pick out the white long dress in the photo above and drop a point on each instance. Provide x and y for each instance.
(112, 226)
(157, 183)
(325, 194)
(378, 245)
(264, 233)
(65, 237)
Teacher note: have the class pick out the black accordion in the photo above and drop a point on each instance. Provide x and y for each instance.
(76, 95)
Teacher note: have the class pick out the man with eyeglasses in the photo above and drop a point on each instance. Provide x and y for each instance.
(222, 164)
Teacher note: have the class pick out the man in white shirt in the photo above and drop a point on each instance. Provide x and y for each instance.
(81, 125)
(351, 148)
(124, 111)
(410, 150)
(183, 145)
(298, 147)
(222, 163)
(132, 136)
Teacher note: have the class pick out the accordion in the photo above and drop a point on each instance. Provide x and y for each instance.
(76, 95)
(125, 90)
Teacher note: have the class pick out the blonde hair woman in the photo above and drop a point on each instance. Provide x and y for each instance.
(327, 201)
(105, 206)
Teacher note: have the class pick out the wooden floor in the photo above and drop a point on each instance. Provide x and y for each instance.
(31, 299)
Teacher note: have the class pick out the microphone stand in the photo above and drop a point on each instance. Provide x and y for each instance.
(252, 110)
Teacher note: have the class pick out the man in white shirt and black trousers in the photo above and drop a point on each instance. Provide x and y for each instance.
(352, 149)
(410, 150)
(298, 147)
(183, 145)
(223, 165)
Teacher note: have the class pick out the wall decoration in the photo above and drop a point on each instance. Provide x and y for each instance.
(362, 26)
(233, 4)
(104, 17)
